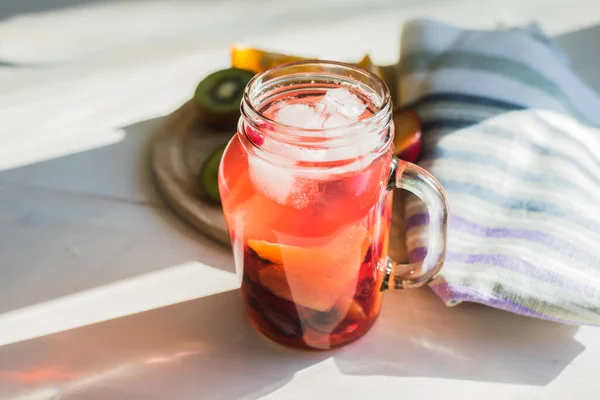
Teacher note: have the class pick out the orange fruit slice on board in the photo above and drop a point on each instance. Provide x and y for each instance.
(314, 277)
(257, 60)
(407, 140)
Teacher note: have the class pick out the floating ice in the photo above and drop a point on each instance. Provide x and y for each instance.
(338, 108)
(270, 181)
(342, 101)
(336, 120)
(300, 115)
(281, 185)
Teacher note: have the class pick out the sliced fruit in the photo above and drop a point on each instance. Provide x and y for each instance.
(351, 309)
(286, 323)
(314, 277)
(407, 140)
(273, 278)
(313, 293)
(367, 64)
(280, 322)
(267, 251)
(209, 175)
(257, 60)
(219, 96)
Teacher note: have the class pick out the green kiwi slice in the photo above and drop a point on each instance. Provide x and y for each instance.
(219, 96)
(209, 175)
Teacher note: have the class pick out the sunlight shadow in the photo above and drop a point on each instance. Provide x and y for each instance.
(46, 146)
(417, 335)
(145, 292)
(189, 350)
(93, 218)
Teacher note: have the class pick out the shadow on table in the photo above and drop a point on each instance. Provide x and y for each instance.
(417, 335)
(200, 349)
(97, 224)
(204, 348)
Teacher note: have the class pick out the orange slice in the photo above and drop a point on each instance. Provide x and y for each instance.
(257, 60)
(314, 277)
(267, 251)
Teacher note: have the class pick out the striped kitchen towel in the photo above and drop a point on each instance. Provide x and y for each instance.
(512, 135)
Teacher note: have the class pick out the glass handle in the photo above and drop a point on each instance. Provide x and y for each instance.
(416, 180)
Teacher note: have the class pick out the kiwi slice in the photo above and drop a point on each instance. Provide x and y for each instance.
(209, 175)
(219, 96)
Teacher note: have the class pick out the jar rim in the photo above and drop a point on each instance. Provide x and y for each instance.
(381, 109)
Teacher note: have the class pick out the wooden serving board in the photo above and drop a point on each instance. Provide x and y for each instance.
(180, 147)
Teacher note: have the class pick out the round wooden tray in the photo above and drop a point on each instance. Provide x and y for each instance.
(180, 147)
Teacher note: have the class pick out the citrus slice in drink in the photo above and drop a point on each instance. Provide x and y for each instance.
(314, 277)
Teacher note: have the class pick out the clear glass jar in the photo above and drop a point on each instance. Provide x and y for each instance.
(309, 209)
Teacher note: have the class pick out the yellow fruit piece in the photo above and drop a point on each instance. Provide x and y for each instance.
(367, 64)
(314, 277)
(267, 251)
(257, 60)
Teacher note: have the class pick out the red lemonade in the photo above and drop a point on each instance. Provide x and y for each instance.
(309, 238)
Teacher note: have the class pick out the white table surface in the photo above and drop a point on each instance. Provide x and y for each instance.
(105, 294)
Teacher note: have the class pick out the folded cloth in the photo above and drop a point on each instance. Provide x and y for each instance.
(511, 134)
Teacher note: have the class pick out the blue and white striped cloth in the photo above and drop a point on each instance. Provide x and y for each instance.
(511, 134)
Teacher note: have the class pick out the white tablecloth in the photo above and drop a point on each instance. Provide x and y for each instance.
(104, 294)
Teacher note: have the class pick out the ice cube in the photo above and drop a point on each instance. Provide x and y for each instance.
(360, 148)
(336, 120)
(281, 185)
(341, 100)
(299, 115)
(274, 183)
